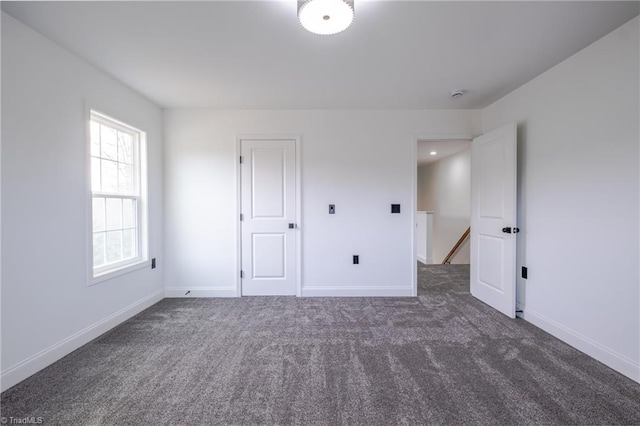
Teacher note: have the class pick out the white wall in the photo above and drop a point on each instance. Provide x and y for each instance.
(361, 161)
(444, 187)
(578, 197)
(47, 307)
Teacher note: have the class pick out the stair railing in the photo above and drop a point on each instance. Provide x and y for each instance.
(457, 246)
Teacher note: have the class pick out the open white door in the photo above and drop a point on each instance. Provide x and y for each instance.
(493, 219)
(268, 228)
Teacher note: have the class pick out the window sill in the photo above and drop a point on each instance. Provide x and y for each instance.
(120, 271)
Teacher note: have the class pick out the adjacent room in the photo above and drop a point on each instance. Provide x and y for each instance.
(444, 201)
(237, 212)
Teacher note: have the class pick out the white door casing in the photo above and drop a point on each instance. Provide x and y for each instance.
(268, 212)
(493, 207)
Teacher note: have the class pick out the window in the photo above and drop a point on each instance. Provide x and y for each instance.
(117, 205)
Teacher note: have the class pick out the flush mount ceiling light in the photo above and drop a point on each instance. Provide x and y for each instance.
(325, 17)
(433, 153)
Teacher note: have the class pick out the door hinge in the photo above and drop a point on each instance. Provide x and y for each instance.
(241, 159)
(241, 217)
(241, 274)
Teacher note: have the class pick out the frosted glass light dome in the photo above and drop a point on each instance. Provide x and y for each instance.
(325, 17)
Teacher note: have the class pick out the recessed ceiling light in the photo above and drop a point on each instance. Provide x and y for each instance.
(455, 94)
(325, 17)
(433, 153)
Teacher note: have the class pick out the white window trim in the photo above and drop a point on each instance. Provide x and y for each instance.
(112, 273)
(142, 260)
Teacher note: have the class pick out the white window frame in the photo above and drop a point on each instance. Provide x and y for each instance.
(106, 272)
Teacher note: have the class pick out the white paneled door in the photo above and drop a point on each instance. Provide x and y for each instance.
(493, 219)
(268, 221)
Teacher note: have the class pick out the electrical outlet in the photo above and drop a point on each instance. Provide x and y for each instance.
(524, 272)
(356, 259)
(332, 209)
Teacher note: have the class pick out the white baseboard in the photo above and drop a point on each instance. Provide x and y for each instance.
(422, 259)
(200, 292)
(17, 373)
(173, 292)
(610, 358)
(357, 292)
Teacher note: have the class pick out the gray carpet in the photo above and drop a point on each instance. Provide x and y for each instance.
(442, 358)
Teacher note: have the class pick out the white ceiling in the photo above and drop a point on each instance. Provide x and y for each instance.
(243, 54)
(442, 148)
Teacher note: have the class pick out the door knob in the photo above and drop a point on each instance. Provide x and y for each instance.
(292, 226)
(508, 230)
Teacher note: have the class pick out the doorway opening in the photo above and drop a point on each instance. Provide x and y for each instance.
(492, 210)
(443, 201)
